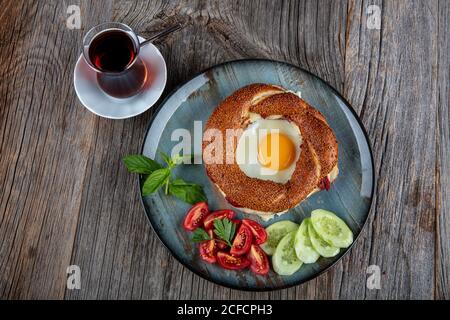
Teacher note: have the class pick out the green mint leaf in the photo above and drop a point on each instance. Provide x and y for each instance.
(188, 192)
(177, 159)
(137, 163)
(186, 159)
(200, 235)
(166, 158)
(154, 181)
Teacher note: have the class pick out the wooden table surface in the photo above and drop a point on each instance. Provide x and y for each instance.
(66, 198)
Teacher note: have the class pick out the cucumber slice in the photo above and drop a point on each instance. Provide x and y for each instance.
(275, 233)
(284, 260)
(321, 246)
(331, 228)
(302, 244)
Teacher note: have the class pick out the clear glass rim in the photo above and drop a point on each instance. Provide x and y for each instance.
(94, 31)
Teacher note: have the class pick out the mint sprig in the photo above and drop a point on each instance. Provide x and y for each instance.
(158, 176)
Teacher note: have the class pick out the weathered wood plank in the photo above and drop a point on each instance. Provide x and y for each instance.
(443, 154)
(45, 145)
(390, 79)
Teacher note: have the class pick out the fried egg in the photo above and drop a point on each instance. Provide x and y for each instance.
(268, 149)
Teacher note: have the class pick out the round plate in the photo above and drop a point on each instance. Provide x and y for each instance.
(102, 104)
(350, 196)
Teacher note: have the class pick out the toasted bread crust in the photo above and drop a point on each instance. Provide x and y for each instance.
(319, 150)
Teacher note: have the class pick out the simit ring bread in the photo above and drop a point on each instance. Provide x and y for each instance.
(315, 166)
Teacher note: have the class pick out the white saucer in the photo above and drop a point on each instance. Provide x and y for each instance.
(102, 104)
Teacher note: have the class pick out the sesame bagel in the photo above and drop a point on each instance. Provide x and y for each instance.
(318, 151)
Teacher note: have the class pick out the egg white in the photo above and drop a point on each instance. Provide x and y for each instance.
(247, 147)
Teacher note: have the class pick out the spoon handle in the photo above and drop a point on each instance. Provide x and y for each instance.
(162, 34)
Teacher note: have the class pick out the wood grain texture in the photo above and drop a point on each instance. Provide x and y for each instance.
(442, 169)
(67, 199)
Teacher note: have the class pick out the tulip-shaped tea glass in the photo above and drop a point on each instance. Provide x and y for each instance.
(112, 50)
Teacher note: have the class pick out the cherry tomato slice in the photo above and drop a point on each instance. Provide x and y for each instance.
(242, 241)
(259, 233)
(195, 216)
(324, 184)
(237, 222)
(219, 214)
(259, 263)
(227, 261)
(220, 244)
(208, 249)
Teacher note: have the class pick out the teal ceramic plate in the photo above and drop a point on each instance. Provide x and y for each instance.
(350, 196)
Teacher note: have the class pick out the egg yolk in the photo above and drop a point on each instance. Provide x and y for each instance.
(276, 151)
